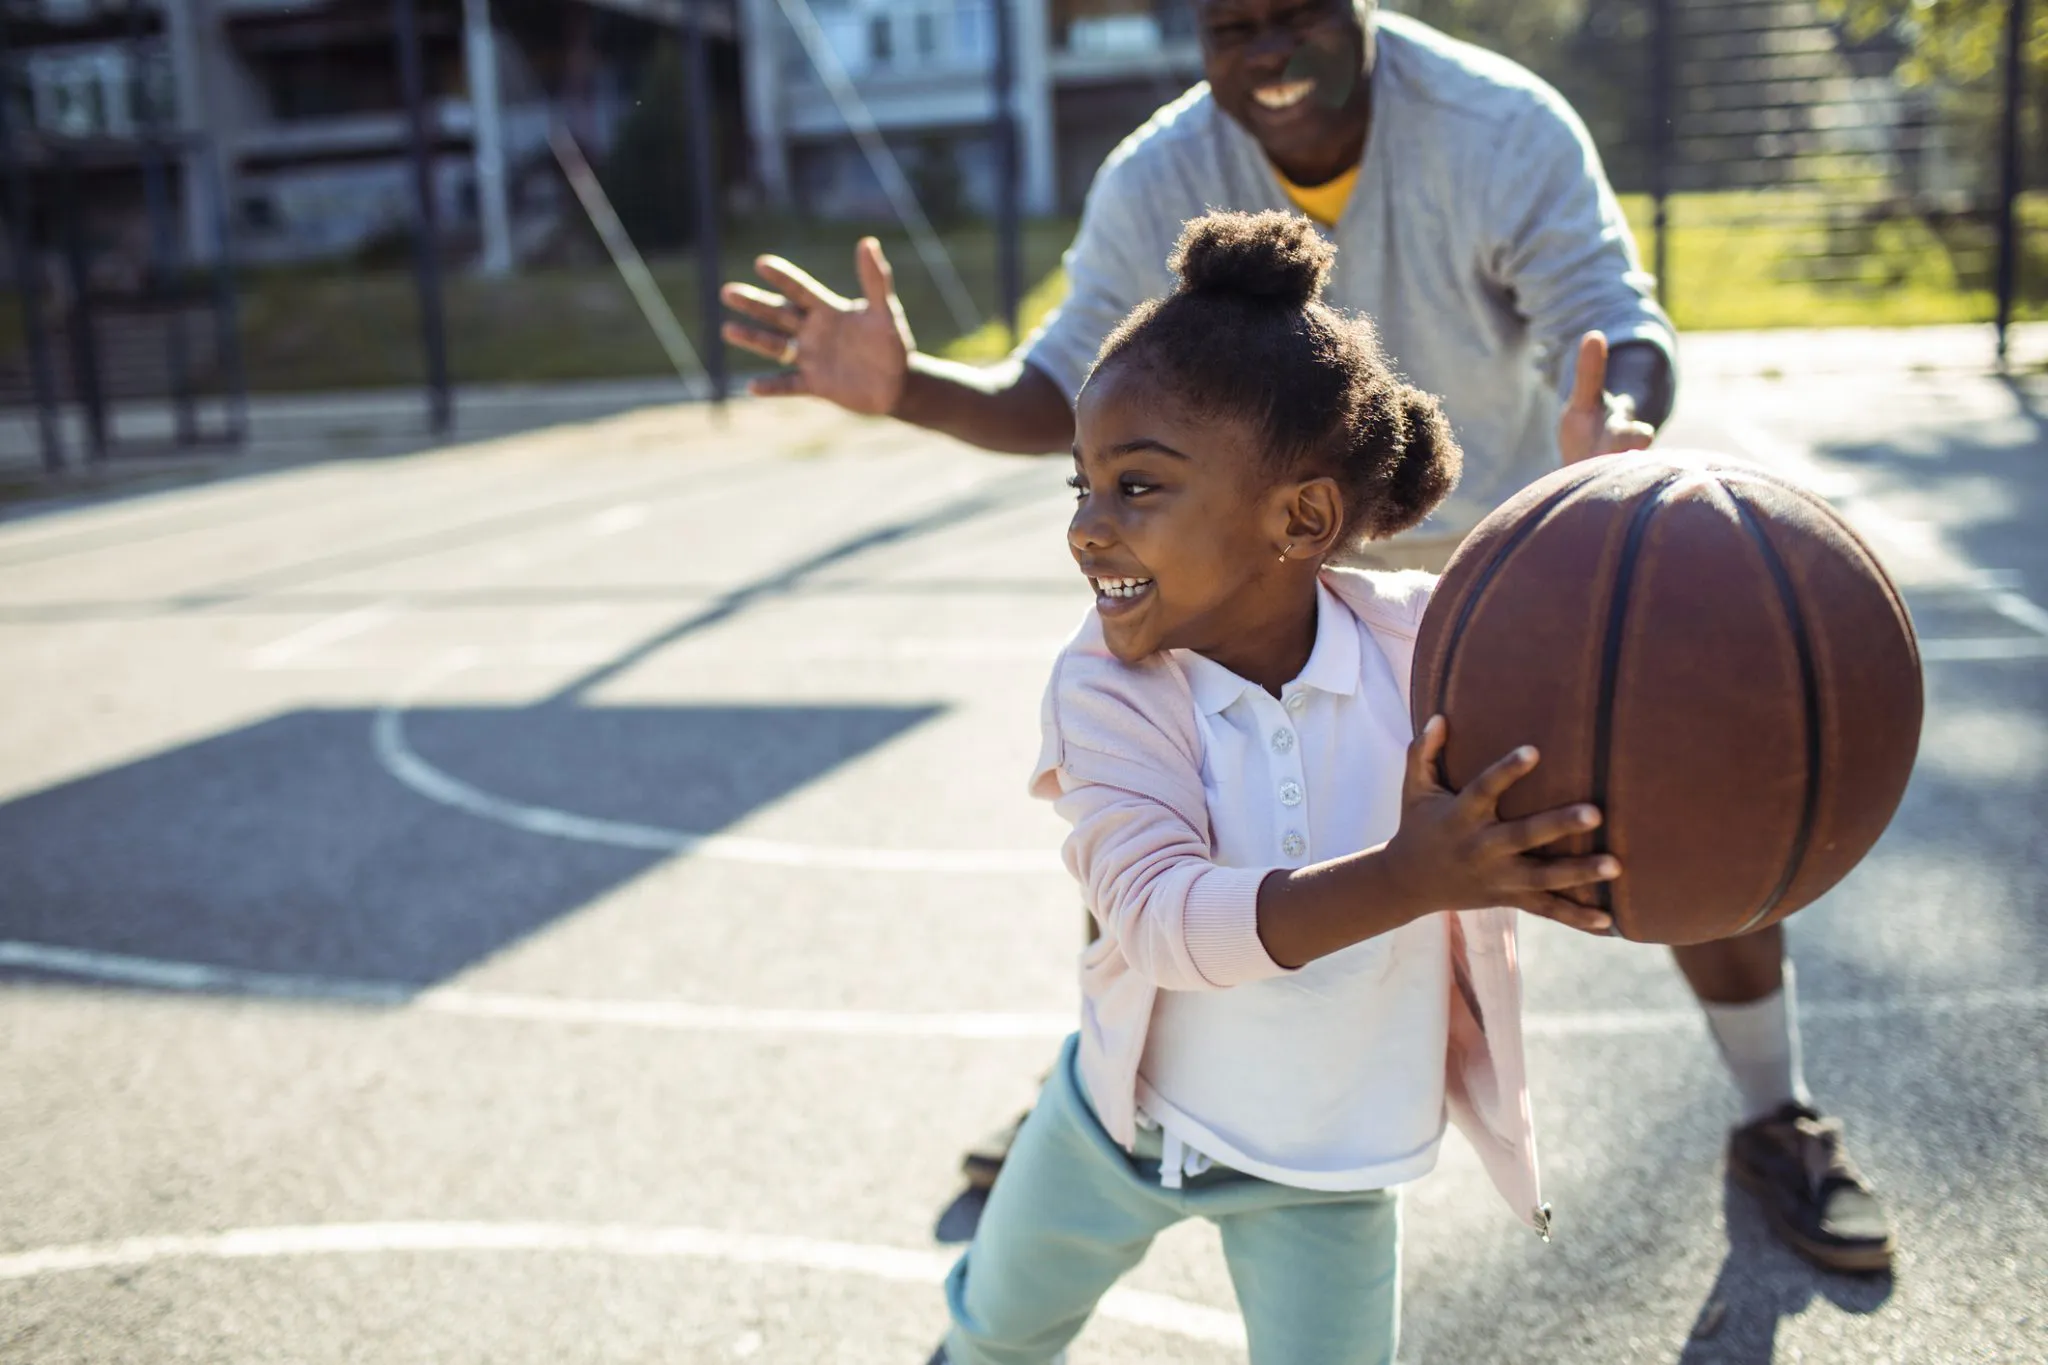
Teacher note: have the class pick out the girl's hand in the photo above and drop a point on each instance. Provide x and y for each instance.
(1454, 852)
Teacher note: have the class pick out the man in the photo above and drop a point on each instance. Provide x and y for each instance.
(1477, 229)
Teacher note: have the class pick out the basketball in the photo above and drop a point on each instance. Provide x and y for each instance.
(1706, 652)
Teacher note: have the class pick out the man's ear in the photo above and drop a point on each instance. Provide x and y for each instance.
(1315, 518)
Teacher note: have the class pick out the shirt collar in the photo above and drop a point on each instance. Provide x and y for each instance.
(1332, 662)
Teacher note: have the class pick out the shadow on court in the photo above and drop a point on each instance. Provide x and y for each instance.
(1759, 1285)
(286, 847)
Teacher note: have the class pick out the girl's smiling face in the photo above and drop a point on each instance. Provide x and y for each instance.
(1179, 528)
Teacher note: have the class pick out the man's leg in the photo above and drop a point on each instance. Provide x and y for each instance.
(1784, 1151)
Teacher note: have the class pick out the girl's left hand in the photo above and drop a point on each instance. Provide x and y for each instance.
(1596, 422)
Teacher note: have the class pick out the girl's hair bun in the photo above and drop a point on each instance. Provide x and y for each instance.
(1273, 256)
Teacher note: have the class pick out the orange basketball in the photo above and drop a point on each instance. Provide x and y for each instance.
(1704, 650)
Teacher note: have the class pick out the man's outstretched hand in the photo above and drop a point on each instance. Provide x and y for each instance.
(853, 352)
(1596, 422)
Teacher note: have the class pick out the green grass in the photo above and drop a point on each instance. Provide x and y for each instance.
(1736, 261)
(357, 328)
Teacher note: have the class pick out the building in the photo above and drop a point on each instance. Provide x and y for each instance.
(918, 73)
(290, 118)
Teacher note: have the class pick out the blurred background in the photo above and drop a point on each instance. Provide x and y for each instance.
(215, 198)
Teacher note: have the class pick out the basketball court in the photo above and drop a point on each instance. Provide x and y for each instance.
(570, 897)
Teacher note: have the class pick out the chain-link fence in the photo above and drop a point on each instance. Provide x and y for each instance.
(1817, 161)
(196, 193)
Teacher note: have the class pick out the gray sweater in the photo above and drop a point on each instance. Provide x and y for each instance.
(1482, 239)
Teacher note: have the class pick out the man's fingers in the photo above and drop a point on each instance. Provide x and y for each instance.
(877, 280)
(1634, 436)
(1536, 831)
(790, 384)
(761, 306)
(1589, 383)
(804, 291)
(759, 340)
(1570, 914)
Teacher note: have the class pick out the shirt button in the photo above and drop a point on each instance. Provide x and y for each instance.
(1283, 740)
(1297, 701)
(1294, 845)
(1290, 793)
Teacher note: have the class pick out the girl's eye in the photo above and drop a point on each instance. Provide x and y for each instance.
(1133, 487)
(1078, 484)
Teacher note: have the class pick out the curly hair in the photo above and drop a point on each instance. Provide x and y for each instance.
(1246, 335)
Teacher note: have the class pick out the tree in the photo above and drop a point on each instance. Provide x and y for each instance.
(1947, 42)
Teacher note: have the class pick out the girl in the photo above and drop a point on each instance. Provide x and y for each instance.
(1276, 1017)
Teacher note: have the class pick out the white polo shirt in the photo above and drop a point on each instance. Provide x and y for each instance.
(1330, 1077)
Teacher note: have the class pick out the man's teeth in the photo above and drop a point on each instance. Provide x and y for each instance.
(1120, 587)
(1283, 96)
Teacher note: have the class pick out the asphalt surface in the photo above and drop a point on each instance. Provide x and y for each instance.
(570, 898)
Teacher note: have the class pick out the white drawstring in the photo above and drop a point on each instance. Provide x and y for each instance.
(1177, 1159)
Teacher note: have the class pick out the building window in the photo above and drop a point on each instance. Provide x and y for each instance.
(927, 27)
(881, 45)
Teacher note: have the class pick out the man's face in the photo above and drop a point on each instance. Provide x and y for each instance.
(1292, 72)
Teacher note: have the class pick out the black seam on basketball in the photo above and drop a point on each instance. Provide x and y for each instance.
(1487, 573)
(1809, 687)
(1610, 666)
(1892, 594)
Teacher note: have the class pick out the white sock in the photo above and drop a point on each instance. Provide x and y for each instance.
(1759, 1041)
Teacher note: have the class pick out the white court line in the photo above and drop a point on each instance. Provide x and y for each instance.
(287, 650)
(398, 758)
(1990, 648)
(682, 1017)
(615, 520)
(901, 1264)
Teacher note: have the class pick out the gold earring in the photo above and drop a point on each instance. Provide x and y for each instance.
(1283, 553)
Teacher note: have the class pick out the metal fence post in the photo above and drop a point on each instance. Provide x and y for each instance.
(166, 279)
(85, 358)
(1003, 82)
(426, 236)
(704, 176)
(1663, 135)
(27, 278)
(2009, 188)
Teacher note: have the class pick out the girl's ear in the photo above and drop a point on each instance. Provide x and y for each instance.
(1315, 518)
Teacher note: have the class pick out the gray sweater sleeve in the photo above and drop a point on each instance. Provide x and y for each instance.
(1115, 263)
(1558, 243)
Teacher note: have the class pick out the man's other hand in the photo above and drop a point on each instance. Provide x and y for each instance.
(1596, 422)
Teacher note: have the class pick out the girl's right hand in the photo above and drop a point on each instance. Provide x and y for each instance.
(1454, 852)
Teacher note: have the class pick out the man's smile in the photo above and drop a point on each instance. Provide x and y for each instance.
(1283, 94)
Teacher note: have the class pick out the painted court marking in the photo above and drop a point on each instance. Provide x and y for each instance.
(288, 650)
(902, 1265)
(675, 1016)
(398, 758)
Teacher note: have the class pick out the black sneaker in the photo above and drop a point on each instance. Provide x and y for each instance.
(984, 1160)
(1796, 1165)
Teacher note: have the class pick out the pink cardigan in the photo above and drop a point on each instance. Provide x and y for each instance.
(1122, 755)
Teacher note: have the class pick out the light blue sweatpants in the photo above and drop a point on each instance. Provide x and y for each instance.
(1318, 1275)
